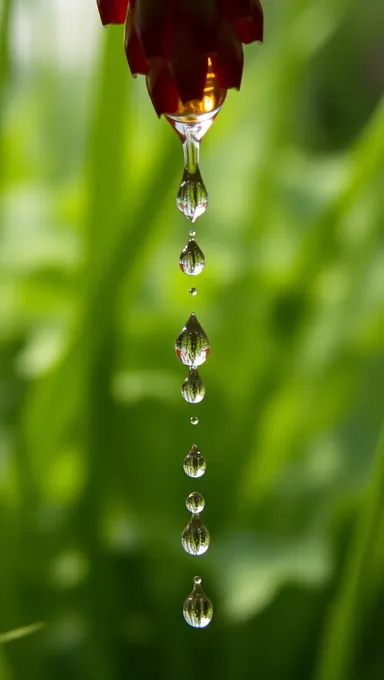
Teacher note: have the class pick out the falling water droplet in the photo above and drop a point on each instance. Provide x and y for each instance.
(193, 291)
(192, 234)
(195, 503)
(198, 609)
(195, 538)
(192, 260)
(193, 388)
(194, 420)
(194, 464)
(192, 347)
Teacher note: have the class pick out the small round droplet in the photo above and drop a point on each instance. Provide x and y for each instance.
(192, 234)
(194, 420)
(193, 388)
(192, 260)
(192, 344)
(195, 503)
(198, 609)
(192, 197)
(195, 538)
(193, 291)
(194, 464)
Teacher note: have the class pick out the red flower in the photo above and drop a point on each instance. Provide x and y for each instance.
(170, 42)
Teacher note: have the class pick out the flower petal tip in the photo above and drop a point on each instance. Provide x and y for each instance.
(112, 11)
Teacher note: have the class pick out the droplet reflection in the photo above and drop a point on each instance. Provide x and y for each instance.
(195, 538)
(198, 609)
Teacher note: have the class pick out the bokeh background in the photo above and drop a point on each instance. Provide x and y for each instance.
(93, 429)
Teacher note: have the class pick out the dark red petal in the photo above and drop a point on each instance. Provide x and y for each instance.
(133, 47)
(113, 11)
(190, 76)
(257, 15)
(229, 61)
(152, 18)
(247, 16)
(189, 66)
(235, 9)
(249, 31)
(161, 87)
(199, 19)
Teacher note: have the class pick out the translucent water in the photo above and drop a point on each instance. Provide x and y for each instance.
(191, 122)
(194, 463)
(198, 609)
(192, 260)
(193, 388)
(192, 197)
(195, 503)
(195, 538)
(192, 345)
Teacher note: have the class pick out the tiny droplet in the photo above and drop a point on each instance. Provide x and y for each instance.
(193, 291)
(198, 609)
(193, 388)
(194, 421)
(195, 503)
(195, 538)
(192, 234)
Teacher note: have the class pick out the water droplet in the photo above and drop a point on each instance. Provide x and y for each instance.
(192, 197)
(193, 388)
(192, 260)
(193, 291)
(192, 234)
(198, 609)
(194, 463)
(192, 347)
(194, 420)
(195, 503)
(195, 538)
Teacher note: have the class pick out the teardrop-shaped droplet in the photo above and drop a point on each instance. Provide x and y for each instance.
(198, 609)
(194, 464)
(192, 260)
(193, 388)
(192, 345)
(194, 420)
(195, 503)
(195, 538)
(193, 292)
(192, 197)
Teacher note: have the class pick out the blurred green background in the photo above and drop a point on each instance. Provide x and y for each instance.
(93, 429)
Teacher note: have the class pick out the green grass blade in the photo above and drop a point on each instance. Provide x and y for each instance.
(21, 632)
(348, 613)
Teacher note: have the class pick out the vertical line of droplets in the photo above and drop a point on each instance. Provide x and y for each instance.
(192, 349)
